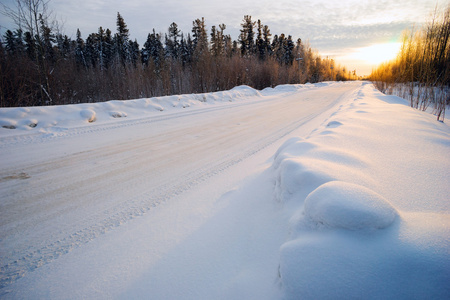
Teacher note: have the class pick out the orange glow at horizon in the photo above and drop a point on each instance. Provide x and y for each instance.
(378, 53)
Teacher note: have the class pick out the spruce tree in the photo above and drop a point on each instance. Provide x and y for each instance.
(30, 46)
(108, 50)
(153, 50)
(172, 41)
(63, 45)
(145, 52)
(267, 35)
(10, 43)
(79, 51)
(186, 50)
(134, 52)
(288, 51)
(260, 44)
(217, 40)
(200, 36)
(47, 40)
(247, 37)
(122, 37)
(90, 50)
(100, 48)
(214, 39)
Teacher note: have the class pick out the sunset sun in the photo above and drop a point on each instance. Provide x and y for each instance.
(378, 53)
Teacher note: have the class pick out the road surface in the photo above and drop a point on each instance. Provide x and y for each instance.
(61, 192)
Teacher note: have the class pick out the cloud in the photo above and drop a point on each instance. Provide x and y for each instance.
(332, 27)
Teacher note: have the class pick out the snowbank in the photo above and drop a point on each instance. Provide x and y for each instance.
(367, 195)
(349, 206)
(66, 116)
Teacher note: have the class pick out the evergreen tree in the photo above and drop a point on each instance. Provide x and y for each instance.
(47, 39)
(79, 51)
(277, 47)
(299, 49)
(134, 52)
(200, 36)
(247, 37)
(122, 37)
(30, 46)
(227, 45)
(168, 46)
(186, 50)
(218, 40)
(63, 45)
(260, 45)
(153, 49)
(283, 49)
(145, 52)
(90, 50)
(214, 39)
(100, 48)
(172, 41)
(288, 47)
(108, 48)
(2, 52)
(266, 37)
(14, 43)
(10, 43)
(234, 48)
(221, 39)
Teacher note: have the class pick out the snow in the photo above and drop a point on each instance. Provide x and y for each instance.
(359, 189)
(315, 191)
(350, 206)
(52, 118)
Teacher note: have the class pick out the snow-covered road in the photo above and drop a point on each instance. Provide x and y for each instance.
(315, 191)
(60, 191)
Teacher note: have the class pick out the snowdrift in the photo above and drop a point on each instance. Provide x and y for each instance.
(367, 195)
(57, 118)
(63, 116)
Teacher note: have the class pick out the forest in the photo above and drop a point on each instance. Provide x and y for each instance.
(39, 65)
(421, 70)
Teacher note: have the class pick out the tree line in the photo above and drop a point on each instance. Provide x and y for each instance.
(39, 65)
(421, 70)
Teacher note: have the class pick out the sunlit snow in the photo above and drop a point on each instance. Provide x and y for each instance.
(316, 191)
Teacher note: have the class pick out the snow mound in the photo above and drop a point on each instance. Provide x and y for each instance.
(293, 147)
(8, 123)
(301, 166)
(350, 206)
(118, 114)
(245, 91)
(88, 114)
(296, 179)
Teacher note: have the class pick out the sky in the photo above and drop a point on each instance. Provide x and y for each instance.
(358, 34)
